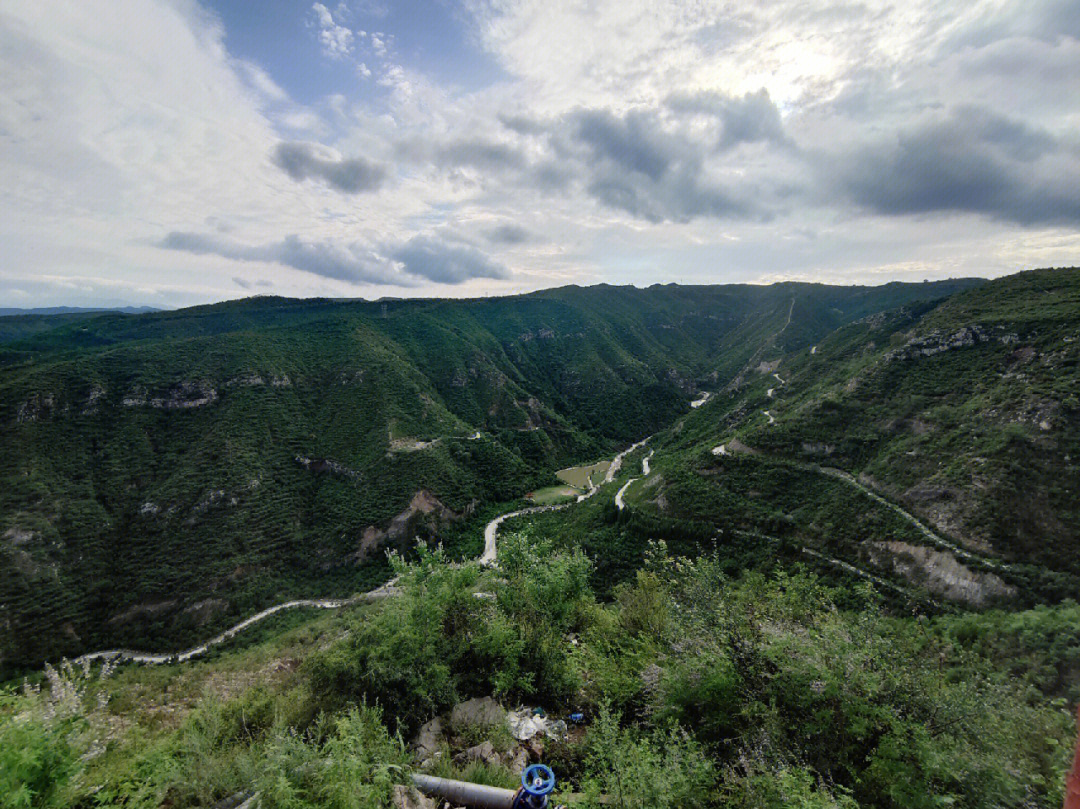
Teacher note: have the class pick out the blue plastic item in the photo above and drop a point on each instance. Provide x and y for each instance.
(577, 718)
(538, 779)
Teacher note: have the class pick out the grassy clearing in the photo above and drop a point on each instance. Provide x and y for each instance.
(554, 494)
(580, 476)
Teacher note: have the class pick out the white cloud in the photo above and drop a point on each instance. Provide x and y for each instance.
(336, 40)
(632, 140)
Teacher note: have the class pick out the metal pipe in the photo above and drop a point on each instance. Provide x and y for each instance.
(463, 793)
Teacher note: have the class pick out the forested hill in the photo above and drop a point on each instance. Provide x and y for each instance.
(964, 414)
(164, 473)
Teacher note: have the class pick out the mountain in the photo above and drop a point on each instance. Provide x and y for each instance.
(962, 415)
(75, 310)
(166, 473)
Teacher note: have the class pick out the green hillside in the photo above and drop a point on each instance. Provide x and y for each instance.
(167, 473)
(964, 413)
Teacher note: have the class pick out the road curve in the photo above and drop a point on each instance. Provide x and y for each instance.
(386, 590)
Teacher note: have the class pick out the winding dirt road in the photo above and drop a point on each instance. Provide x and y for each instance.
(387, 590)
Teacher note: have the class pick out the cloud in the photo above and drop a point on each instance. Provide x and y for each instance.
(303, 161)
(436, 260)
(634, 163)
(336, 40)
(261, 81)
(427, 257)
(751, 118)
(352, 262)
(508, 234)
(483, 154)
(968, 160)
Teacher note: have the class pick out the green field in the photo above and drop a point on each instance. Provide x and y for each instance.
(580, 476)
(550, 495)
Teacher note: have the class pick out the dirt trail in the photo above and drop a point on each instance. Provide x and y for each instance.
(386, 590)
(938, 540)
(752, 363)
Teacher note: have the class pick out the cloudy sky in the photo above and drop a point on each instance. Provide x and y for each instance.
(171, 152)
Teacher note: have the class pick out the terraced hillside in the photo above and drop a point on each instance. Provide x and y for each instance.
(164, 474)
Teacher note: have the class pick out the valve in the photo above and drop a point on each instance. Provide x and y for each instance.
(537, 782)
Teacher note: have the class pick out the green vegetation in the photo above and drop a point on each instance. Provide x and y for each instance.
(701, 690)
(166, 474)
(870, 602)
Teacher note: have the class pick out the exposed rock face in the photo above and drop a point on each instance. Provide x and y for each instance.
(423, 508)
(939, 572)
(946, 508)
(936, 342)
(767, 367)
(326, 465)
(247, 380)
(410, 444)
(19, 536)
(147, 609)
(204, 610)
(817, 448)
(182, 396)
(97, 393)
(185, 395)
(37, 407)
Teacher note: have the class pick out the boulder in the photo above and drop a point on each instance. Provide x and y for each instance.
(428, 739)
(480, 711)
(484, 752)
(408, 798)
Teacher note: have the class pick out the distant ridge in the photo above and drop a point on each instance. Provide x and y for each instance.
(77, 310)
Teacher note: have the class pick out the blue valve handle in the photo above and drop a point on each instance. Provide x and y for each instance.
(538, 779)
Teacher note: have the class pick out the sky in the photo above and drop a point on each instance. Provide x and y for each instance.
(174, 152)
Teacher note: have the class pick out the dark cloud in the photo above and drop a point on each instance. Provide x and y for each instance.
(752, 118)
(422, 257)
(240, 282)
(969, 160)
(434, 259)
(353, 262)
(481, 154)
(523, 124)
(508, 234)
(303, 161)
(634, 163)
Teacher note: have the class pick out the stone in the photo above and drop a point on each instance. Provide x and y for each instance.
(409, 798)
(428, 739)
(483, 752)
(477, 711)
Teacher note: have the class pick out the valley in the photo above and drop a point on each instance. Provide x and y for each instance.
(741, 532)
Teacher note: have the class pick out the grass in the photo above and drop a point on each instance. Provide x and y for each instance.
(551, 495)
(580, 477)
